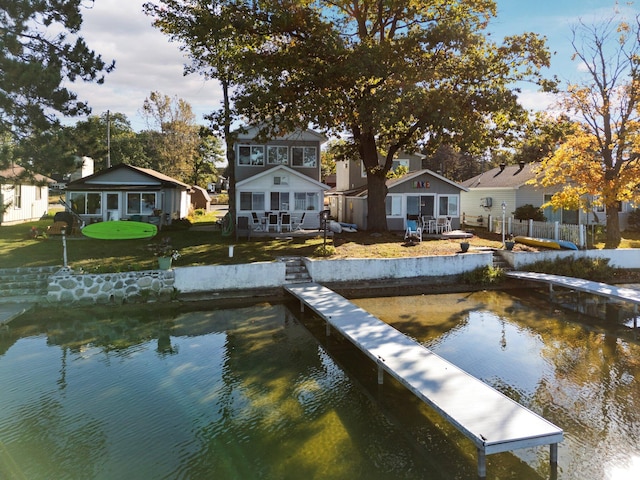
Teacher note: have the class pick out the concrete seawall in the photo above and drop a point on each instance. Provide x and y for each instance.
(247, 279)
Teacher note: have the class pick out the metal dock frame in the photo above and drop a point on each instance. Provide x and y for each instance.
(492, 421)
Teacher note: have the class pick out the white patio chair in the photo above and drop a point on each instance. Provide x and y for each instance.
(297, 224)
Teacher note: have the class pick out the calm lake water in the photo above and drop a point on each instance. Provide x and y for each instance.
(261, 392)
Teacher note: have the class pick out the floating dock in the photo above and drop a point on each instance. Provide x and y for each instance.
(491, 420)
(596, 288)
(609, 292)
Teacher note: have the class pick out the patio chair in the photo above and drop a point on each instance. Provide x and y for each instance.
(285, 222)
(273, 222)
(297, 224)
(256, 223)
(428, 224)
(242, 228)
(413, 231)
(443, 224)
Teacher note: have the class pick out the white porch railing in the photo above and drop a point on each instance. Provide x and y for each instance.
(552, 230)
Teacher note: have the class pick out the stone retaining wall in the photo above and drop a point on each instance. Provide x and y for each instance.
(68, 287)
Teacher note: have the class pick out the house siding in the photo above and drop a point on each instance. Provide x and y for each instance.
(471, 204)
(31, 208)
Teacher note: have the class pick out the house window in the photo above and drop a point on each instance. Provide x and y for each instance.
(86, 203)
(38, 193)
(141, 203)
(17, 196)
(251, 155)
(448, 206)
(403, 162)
(599, 206)
(413, 205)
(305, 201)
(393, 205)
(251, 201)
(304, 156)
(277, 155)
(281, 180)
(280, 201)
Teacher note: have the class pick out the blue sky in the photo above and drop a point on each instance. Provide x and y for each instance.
(146, 61)
(553, 19)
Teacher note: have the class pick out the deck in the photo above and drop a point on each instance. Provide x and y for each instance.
(492, 421)
(596, 288)
(606, 291)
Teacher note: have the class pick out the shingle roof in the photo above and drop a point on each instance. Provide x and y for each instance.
(512, 176)
(16, 171)
(165, 179)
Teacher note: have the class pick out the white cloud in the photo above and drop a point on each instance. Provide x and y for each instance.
(145, 61)
(536, 100)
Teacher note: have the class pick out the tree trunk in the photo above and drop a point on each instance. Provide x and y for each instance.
(613, 226)
(231, 155)
(376, 208)
(376, 181)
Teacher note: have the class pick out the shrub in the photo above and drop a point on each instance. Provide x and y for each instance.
(595, 269)
(529, 212)
(634, 220)
(324, 251)
(484, 276)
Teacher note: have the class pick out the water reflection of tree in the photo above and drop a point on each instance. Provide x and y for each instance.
(47, 441)
(285, 410)
(594, 390)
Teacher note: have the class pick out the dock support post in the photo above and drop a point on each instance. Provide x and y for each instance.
(553, 460)
(482, 463)
(380, 371)
(301, 307)
(327, 329)
(551, 293)
(635, 316)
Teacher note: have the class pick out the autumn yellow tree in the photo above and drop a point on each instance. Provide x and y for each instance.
(598, 163)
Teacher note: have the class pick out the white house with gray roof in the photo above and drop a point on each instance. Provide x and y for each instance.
(486, 192)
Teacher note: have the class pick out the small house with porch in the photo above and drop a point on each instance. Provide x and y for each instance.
(414, 195)
(127, 192)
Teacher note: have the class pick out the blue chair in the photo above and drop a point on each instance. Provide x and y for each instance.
(413, 231)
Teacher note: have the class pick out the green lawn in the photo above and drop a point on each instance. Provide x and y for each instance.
(17, 249)
(196, 247)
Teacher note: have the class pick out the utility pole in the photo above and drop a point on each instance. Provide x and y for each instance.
(108, 139)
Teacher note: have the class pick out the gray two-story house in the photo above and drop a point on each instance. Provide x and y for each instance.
(281, 175)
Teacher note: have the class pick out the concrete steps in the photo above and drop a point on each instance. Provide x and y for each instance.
(296, 271)
(500, 262)
(18, 284)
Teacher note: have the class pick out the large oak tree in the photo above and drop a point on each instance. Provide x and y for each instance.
(390, 74)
